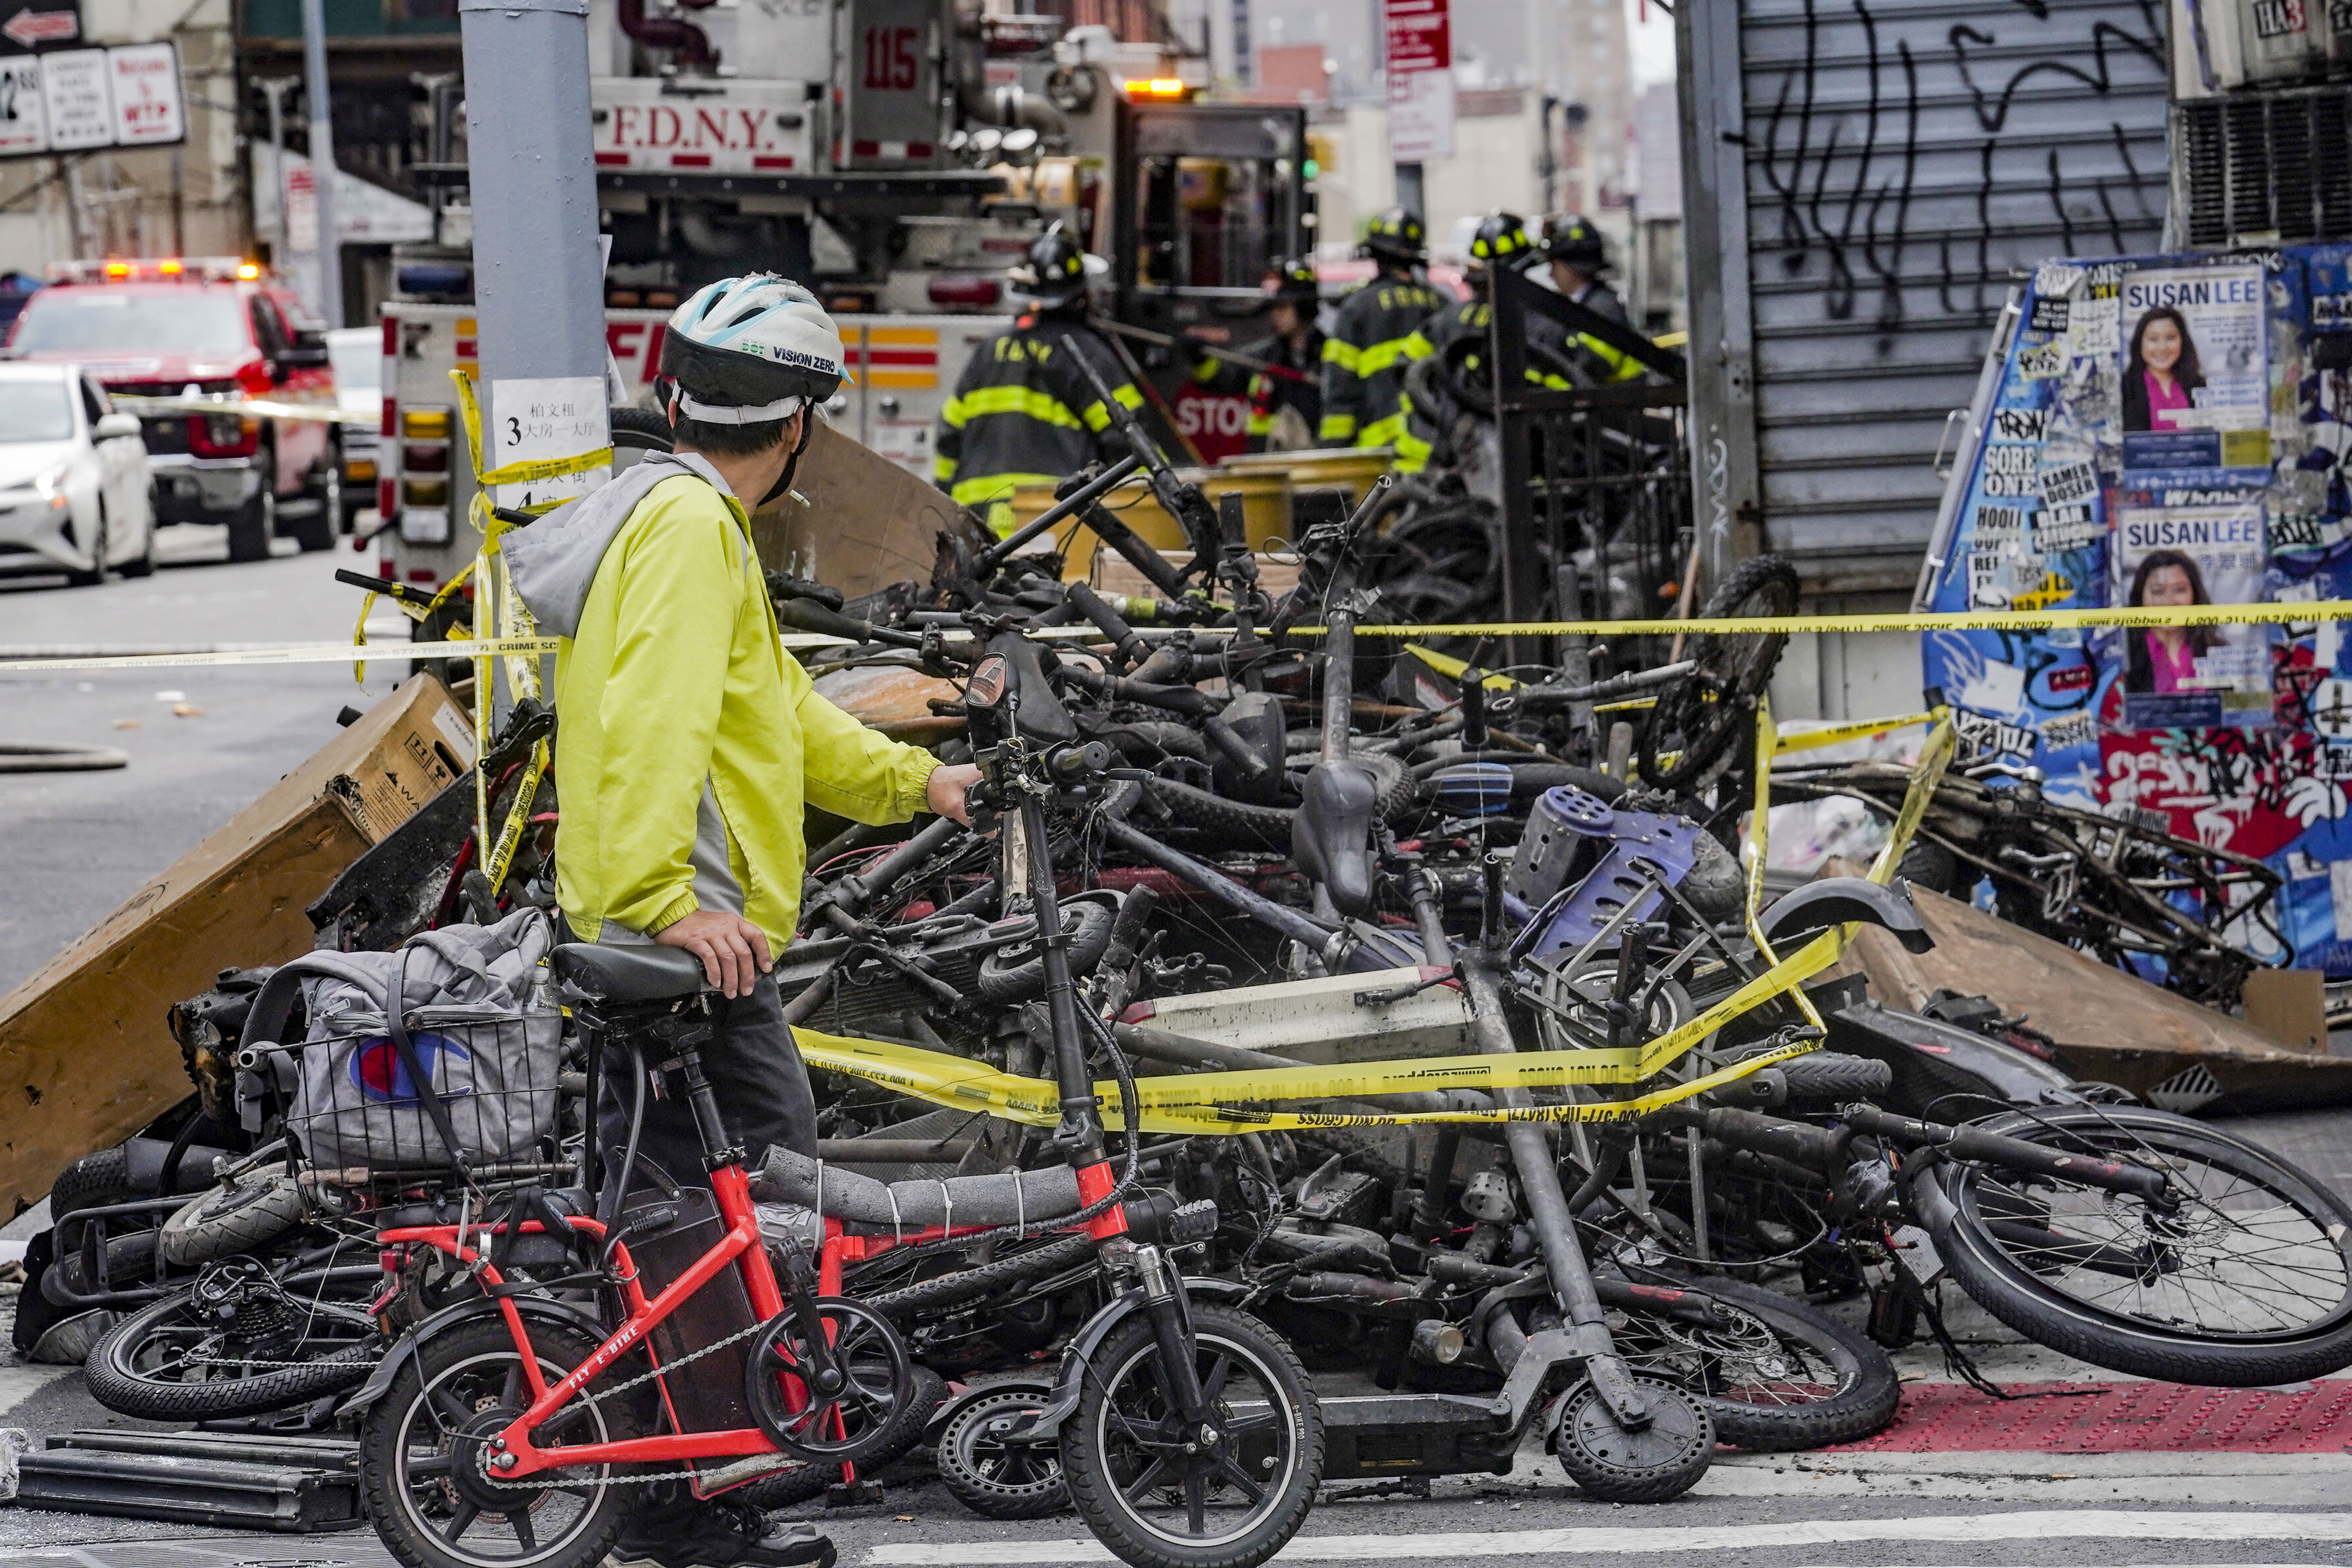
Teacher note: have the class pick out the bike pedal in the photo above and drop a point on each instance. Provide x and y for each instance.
(853, 1494)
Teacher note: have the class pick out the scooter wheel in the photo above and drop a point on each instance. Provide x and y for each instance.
(994, 1478)
(1662, 1460)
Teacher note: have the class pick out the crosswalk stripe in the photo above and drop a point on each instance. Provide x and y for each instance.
(2046, 1524)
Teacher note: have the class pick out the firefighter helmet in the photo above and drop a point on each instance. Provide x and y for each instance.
(1502, 240)
(1572, 242)
(1396, 236)
(1052, 271)
(1294, 279)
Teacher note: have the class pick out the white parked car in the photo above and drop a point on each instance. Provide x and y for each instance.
(75, 494)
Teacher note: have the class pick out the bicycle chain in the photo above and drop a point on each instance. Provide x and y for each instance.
(482, 1459)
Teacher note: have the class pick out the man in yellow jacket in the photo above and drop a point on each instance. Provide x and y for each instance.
(690, 739)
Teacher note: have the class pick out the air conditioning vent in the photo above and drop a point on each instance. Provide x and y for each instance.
(2267, 168)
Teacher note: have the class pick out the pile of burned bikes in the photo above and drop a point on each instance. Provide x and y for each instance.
(1325, 1058)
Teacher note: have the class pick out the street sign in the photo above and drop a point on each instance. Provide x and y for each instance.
(24, 126)
(27, 25)
(147, 109)
(77, 91)
(73, 100)
(1420, 36)
(1420, 117)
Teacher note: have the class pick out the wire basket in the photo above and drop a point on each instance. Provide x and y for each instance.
(464, 1093)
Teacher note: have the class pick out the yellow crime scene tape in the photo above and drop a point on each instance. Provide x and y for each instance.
(260, 408)
(1232, 1101)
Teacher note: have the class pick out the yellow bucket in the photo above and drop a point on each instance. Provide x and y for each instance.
(1350, 468)
(1266, 506)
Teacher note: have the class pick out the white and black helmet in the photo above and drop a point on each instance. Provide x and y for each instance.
(747, 351)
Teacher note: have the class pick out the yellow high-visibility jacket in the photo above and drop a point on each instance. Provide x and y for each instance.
(675, 678)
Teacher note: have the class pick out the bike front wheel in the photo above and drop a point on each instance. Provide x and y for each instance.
(425, 1447)
(2243, 1279)
(1230, 1501)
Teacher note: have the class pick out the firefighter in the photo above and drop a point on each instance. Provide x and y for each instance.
(1578, 256)
(1023, 412)
(1285, 411)
(1363, 366)
(1501, 241)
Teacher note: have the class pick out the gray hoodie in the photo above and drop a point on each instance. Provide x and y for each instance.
(552, 563)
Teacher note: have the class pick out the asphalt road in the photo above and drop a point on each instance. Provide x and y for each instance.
(202, 742)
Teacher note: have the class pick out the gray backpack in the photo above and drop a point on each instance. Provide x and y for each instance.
(464, 1011)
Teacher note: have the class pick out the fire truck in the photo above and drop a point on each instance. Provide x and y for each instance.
(897, 155)
(904, 367)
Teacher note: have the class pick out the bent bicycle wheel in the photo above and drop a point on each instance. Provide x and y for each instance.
(1163, 1497)
(230, 1344)
(2241, 1280)
(1777, 1375)
(1699, 718)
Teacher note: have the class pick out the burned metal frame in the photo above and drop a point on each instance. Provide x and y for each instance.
(1601, 469)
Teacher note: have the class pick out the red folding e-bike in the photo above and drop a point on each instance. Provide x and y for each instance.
(514, 1429)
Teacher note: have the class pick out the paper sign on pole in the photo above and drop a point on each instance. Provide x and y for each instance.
(1420, 117)
(76, 93)
(548, 418)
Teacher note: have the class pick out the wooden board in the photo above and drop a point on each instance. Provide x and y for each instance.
(2110, 1027)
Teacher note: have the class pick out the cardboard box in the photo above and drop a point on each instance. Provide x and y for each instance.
(868, 522)
(85, 1056)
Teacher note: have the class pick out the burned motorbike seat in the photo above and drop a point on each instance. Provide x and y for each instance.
(628, 973)
(785, 1177)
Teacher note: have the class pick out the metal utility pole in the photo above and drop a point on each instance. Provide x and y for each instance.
(538, 289)
(275, 90)
(322, 161)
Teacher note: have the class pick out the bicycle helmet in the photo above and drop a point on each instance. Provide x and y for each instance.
(1572, 242)
(1053, 270)
(1396, 236)
(751, 350)
(1502, 240)
(1294, 279)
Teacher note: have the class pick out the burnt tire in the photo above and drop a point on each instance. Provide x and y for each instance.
(1784, 1377)
(1831, 1078)
(134, 1370)
(1656, 1465)
(2059, 1263)
(246, 1215)
(997, 1479)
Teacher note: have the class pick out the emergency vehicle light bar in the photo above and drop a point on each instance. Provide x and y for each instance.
(125, 270)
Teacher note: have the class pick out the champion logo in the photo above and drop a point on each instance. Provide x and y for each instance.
(379, 1073)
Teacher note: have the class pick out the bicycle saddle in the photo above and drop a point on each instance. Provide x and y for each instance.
(785, 1177)
(628, 973)
(1331, 835)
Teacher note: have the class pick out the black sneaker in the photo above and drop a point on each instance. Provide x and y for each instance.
(721, 1536)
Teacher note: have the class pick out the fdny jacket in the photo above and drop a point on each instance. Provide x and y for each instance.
(1022, 412)
(1363, 363)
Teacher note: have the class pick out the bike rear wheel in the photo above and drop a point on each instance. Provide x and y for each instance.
(1231, 1504)
(2247, 1283)
(1699, 718)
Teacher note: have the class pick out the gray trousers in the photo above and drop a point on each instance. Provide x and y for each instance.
(755, 1070)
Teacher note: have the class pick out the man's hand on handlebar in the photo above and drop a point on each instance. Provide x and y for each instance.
(733, 951)
(947, 792)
